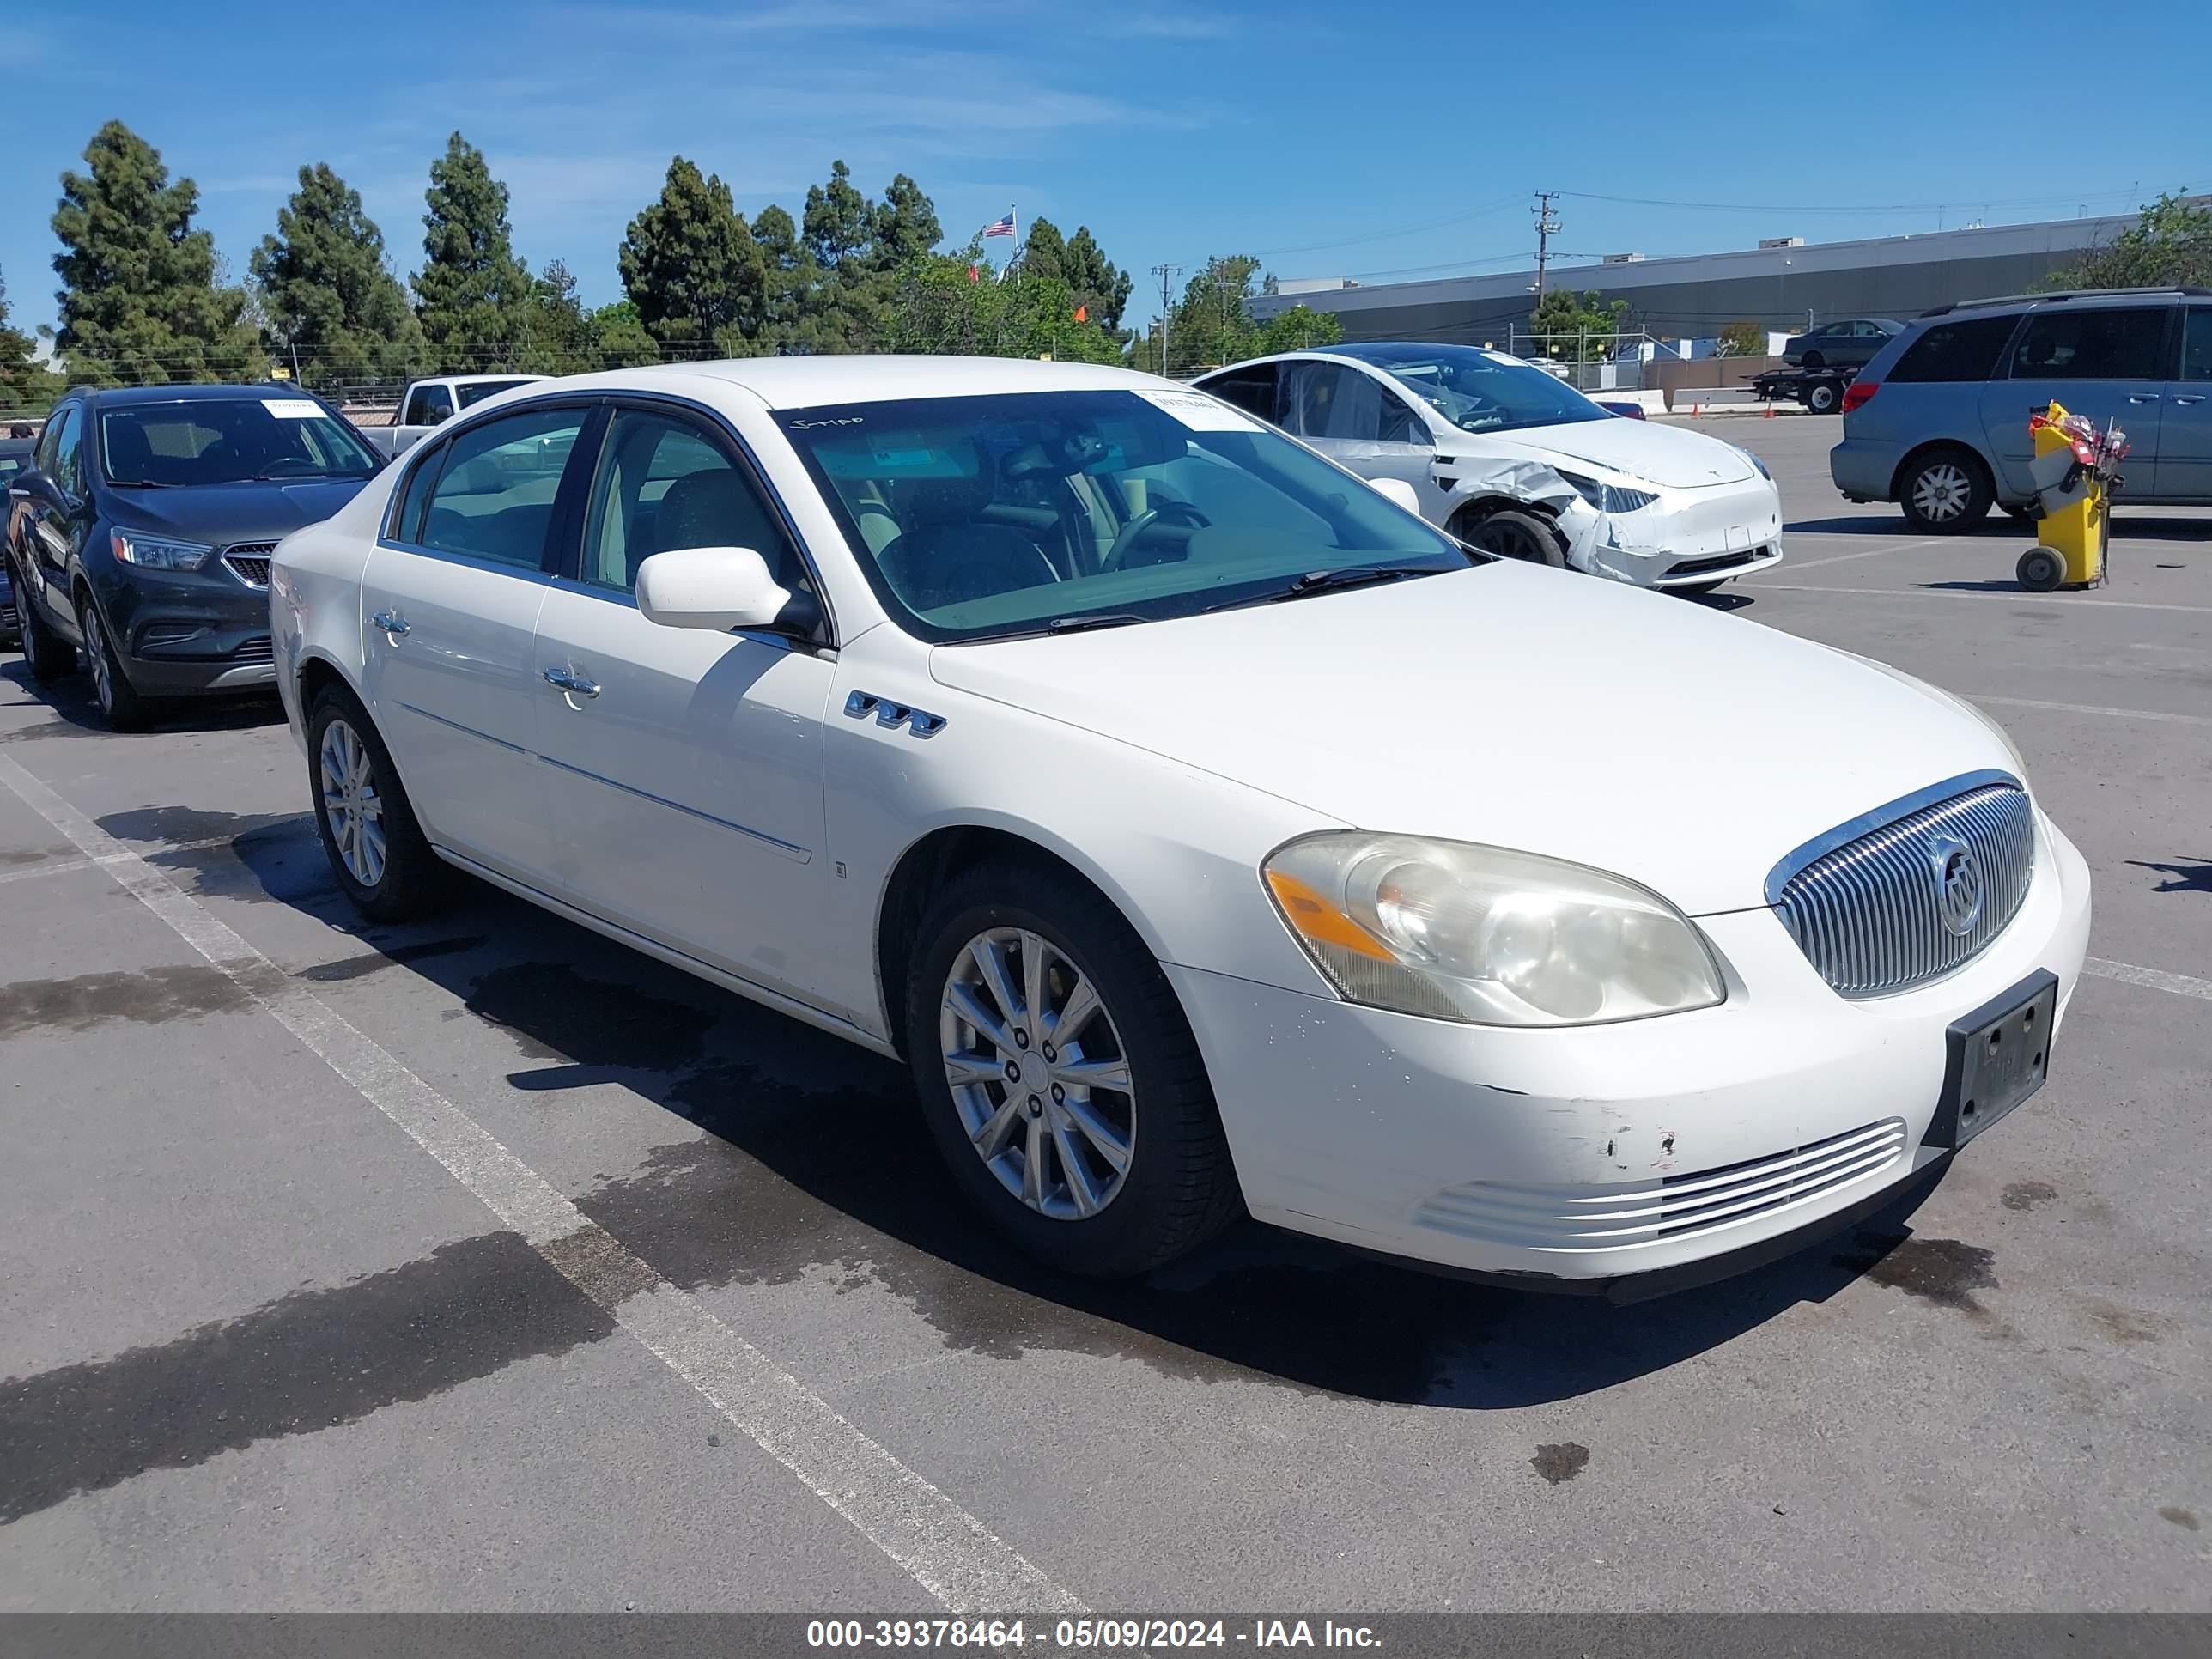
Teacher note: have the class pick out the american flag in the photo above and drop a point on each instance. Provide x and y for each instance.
(1000, 227)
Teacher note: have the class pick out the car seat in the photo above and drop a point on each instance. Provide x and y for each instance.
(948, 554)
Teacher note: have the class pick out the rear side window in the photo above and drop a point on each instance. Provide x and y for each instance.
(494, 497)
(2062, 344)
(2197, 343)
(1965, 350)
(407, 519)
(1252, 390)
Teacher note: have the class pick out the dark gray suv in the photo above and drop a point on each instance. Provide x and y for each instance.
(1938, 422)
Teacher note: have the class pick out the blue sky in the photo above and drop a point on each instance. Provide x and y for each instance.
(1174, 128)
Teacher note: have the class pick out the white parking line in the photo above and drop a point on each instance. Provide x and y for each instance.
(1985, 593)
(1846, 558)
(2094, 708)
(950, 1552)
(2156, 978)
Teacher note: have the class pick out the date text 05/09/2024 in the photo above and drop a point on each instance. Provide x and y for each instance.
(1083, 1635)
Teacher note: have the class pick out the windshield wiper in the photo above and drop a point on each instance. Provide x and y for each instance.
(144, 483)
(300, 478)
(1102, 619)
(1359, 576)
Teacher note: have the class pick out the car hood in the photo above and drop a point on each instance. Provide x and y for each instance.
(1520, 707)
(222, 513)
(1650, 450)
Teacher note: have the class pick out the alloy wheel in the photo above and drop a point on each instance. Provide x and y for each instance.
(95, 656)
(1038, 1074)
(351, 804)
(1942, 491)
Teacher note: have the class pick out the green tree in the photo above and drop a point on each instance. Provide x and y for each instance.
(690, 265)
(326, 296)
(473, 295)
(1743, 338)
(939, 306)
(2169, 245)
(1098, 282)
(619, 340)
(1044, 253)
(1301, 328)
(140, 297)
(1212, 323)
(556, 336)
(1571, 325)
(26, 388)
(906, 225)
(788, 279)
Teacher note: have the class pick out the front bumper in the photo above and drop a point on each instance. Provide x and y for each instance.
(1588, 1157)
(1688, 538)
(183, 633)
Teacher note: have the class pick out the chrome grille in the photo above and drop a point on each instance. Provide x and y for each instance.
(249, 562)
(1869, 914)
(257, 650)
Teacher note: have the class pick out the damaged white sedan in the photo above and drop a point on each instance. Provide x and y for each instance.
(1512, 461)
(1207, 833)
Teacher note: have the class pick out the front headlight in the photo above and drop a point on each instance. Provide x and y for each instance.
(159, 552)
(1754, 461)
(1487, 935)
(1608, 497)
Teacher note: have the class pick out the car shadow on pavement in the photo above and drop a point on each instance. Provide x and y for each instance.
(1895, 526)
(794, 1155)
(77, 714)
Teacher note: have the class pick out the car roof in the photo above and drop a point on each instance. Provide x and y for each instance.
(118, 396)
(478, 379)
(2070, 297)
(813, 382)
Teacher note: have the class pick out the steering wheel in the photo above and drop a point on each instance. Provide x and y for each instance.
(1133, 531)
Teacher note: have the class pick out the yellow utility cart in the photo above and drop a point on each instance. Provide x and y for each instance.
(2075, 468)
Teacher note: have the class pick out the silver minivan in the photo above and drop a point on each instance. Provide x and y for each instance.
(1938, 422)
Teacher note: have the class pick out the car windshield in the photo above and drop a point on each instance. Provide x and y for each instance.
(224, 440)
(475, 391)
(1478, 390)
(985, 516)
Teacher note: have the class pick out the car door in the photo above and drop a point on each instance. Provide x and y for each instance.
(2108, 363)
(449, 612)
(683, 767)
(1362, 421)
(52, 508)
(2183, 470)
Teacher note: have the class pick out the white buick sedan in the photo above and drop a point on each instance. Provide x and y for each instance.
(1205, 829)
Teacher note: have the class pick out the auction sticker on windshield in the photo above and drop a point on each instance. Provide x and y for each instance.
(1198, 411)
(293, 409)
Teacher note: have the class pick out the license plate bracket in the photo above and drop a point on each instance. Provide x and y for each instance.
(1995, 1057)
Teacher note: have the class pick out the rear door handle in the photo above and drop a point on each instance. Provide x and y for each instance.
(390, 624)
(581, 684)
(2189, 397)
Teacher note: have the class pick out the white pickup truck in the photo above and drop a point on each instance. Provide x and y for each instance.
(429, 403)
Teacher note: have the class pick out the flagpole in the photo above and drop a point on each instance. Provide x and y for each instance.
(1014, 212)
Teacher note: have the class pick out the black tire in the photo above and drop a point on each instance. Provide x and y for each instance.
(2040, 570)
(1180, 1186)
(1822, 397)
(1511, 533)
(1812, 360)
(1944, 490)
(50, 656)
(118, 700)
(413, 880)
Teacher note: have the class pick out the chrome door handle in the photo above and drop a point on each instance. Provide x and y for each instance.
(579, 685)
(390, 624)
(2189, 397)
(2143, 397)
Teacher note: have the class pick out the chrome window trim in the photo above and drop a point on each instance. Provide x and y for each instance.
(1793, 862)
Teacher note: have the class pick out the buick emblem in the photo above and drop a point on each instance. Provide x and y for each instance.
(1957, 885)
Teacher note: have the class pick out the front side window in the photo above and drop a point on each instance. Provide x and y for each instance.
(228, 441)
(662, 485)
(2064, 343)
(429, 405)
(1965, 350)
(495, 493)
(1482, 391)
(1252, 389)
(1329, 401)
(50, 439)
(1027, 512)
(58, 441)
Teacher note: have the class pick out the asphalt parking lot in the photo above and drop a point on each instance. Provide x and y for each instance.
(263, 1350)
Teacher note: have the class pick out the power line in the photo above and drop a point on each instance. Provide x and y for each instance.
(1548, 226)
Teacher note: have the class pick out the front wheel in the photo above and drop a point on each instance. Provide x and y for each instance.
(377, 850)
(1946, 492)
(1511, 533)
(1059, 1077)
(120, 705)
(1820, 398)
(2040, 570)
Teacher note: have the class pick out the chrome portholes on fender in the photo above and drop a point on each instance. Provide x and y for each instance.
(918, 721)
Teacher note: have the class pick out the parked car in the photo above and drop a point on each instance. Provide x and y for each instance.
(141, 532)
(428, 404)
(14, 456)
(1626, 410)
(1688, 511)
(1851, 343)
(1938, 423)
(1204, 829)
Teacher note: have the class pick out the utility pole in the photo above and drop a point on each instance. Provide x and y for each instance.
(1167, 274)
(1547, 227)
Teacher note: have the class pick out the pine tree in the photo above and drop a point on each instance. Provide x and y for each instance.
(787, 277)
(141, 301)
(25, 387)
(472, 295)
(329, 299)
(691, 264)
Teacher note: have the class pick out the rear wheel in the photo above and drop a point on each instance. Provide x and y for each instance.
(51, 657)
(377, 850)
(1944, 491)
(1059, 1077)
(1820, 398)
(120, 705)
(1812, 360)
(2040, 570)
(1511, 533)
